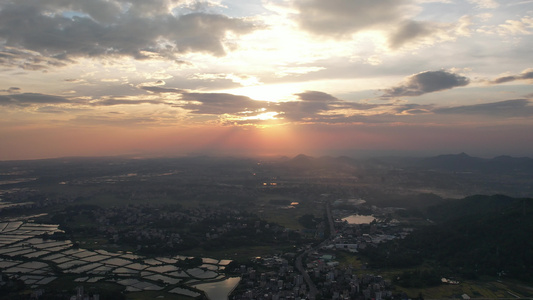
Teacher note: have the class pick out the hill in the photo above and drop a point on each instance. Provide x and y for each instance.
(474, 236)
(465, 163)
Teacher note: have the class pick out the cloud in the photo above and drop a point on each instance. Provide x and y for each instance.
(157, 89)
(310, 103)
(59, 30)
(316, 106)
(409, 31)
(99, 121)
(339, 18)
(292, 71)
(427, 82)
(525, 75)
(27, 59)
(115, 101)
(516, 27)
(243, 80)
(485, 3)
(308, 106)
(219, 103)
(508, 108)
(413, 109)
(392, 18)
(50, 110)
(523, 26)
(316, 96)
(25, 99)
(11, 90)
(427, 33)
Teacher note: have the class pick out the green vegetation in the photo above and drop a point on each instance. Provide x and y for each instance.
(490, 236)
(275, 208)
(309, 221)
(149, 295)
(11, 287)
(346, 260)
(418, 279)
(476, 289)
(189, 263)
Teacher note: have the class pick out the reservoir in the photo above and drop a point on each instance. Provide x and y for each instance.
(359, 219)
(219, 290)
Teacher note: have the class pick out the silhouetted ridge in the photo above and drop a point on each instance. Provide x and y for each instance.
(463, 163)
(460, 162)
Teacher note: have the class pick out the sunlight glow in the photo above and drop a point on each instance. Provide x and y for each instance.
(270, 93)
(271, 115)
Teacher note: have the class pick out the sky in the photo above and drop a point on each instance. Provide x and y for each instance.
(265, 77)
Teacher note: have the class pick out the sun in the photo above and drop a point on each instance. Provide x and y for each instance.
(268, 93)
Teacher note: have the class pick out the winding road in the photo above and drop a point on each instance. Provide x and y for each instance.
(313, 291)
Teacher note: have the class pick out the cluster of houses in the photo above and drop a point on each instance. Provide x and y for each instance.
(332, 280)
(282, 281)
(148, 224)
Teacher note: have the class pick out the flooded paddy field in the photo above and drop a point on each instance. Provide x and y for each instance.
(38, 261)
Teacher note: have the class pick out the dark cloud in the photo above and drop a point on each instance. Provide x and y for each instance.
(115, 120)
(59, 30)
(409, 31)
(508, 108)
(50, 110)
(310, 104)
(317, 106)
(525, 75)
(112, 102)
(344, 17)
(11, 90)
(27, 60)
(427, 82)
(413, 109)
(26, 99)
(210, 103)
(316, 96)
(159, 90)
(219, 103)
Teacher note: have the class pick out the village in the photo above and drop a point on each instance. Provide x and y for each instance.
(329, 279)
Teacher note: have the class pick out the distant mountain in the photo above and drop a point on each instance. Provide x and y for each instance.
(460, 161)
(301, 160)
(464, 163)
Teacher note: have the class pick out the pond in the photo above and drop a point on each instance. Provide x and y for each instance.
(219, 290)
(359, 219)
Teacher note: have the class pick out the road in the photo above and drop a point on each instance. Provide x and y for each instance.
(330, 220)
(313, 291)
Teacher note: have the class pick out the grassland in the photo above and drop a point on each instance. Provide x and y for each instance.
(475, 289)
(286, 215)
